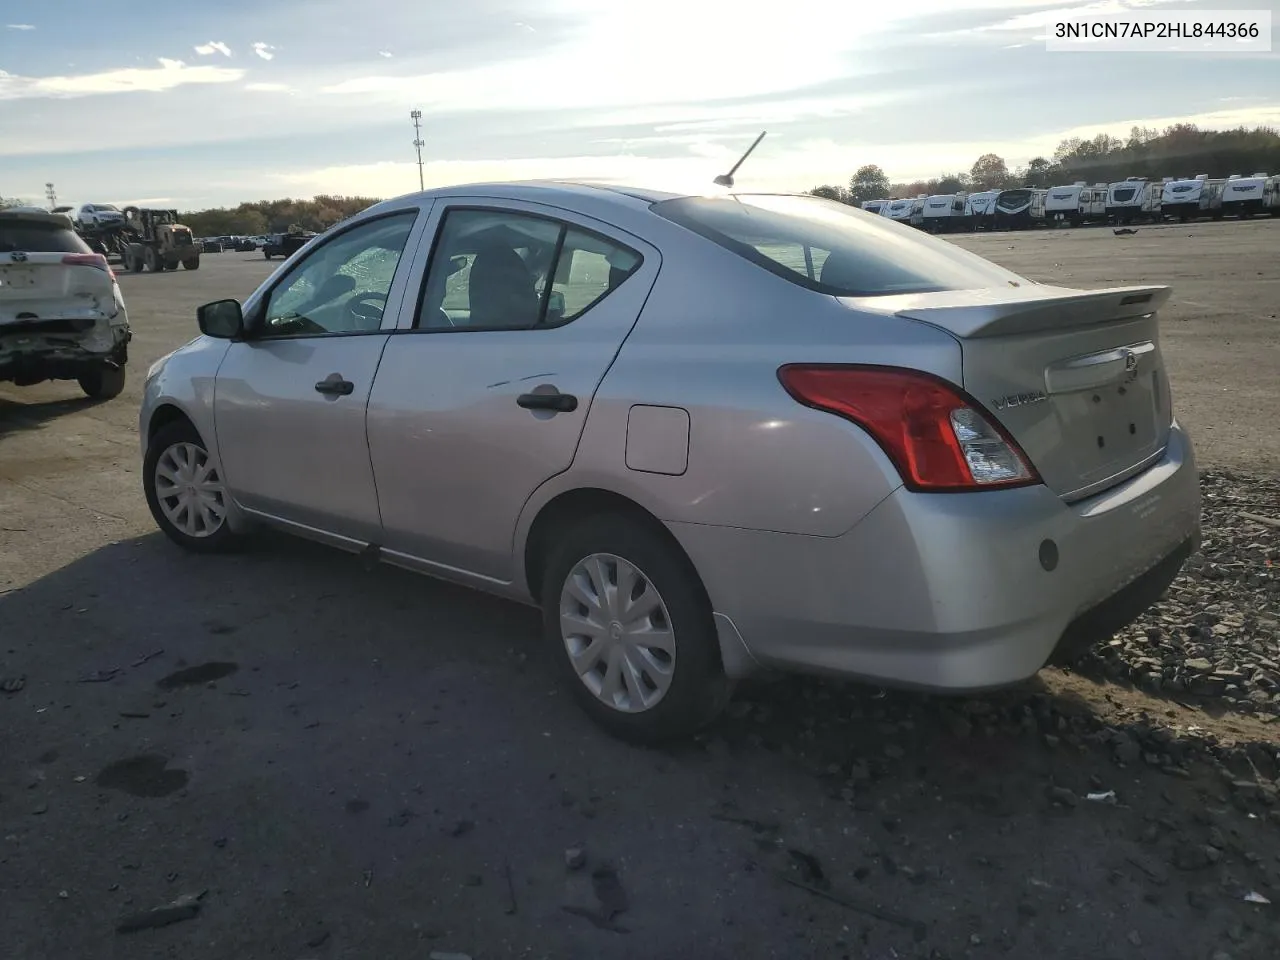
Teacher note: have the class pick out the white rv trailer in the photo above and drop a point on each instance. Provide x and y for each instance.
(1245, 196)
(943, 211)
(873, 206)
(898, 209)
(1076, 203)
(1134, 199)
(979, 209)
(1187, 199)
(1271, 196)
(909, 210)
(1020, 208)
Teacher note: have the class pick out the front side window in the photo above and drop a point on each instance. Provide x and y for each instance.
(342, 286)
(501, 270)
(831, 247)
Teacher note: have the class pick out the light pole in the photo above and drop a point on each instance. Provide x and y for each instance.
(418, 144)
(51, 195)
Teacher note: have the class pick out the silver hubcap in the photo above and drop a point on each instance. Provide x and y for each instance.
(190, 491)
(617, 633)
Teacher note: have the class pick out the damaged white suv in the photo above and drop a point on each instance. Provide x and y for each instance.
(62, 316)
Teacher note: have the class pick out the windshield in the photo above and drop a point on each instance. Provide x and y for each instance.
(100, 207)
(831, 247)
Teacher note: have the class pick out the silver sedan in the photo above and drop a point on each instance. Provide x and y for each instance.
(708, 435)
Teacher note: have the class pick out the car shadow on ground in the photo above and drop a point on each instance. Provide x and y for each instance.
(16, 416)
(374, 757)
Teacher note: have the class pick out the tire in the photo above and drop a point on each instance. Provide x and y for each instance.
(697, 691)
(135, 263)
(266, 255)
(151, 260)
(181, 434)
(192, 264)
(103, 383)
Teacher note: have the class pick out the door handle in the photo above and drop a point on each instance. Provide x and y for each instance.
(559, 402)
(334, 386)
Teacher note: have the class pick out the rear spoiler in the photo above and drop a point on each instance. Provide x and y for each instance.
(996, 314)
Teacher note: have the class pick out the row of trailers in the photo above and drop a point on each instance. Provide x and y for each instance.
(1133, 200)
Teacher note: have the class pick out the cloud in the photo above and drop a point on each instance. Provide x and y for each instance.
(264, 50)
(170, 74)
(385, 53)
(268, 87)
(19, 26)
(212, 47)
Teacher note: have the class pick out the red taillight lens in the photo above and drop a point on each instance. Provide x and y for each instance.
(96, 260)
(939, 439)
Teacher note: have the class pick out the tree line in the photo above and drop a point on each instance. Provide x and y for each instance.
(1181, 150)
(274, 216)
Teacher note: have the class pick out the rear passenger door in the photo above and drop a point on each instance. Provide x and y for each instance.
(483, 395)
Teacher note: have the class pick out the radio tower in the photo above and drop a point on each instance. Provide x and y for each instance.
(418, 143)
(51, 195)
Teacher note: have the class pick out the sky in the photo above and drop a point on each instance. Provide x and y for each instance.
(210, 104)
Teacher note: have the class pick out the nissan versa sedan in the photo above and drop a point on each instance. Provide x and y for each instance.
(707, 435)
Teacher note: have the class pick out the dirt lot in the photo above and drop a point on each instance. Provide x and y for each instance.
(352, 764)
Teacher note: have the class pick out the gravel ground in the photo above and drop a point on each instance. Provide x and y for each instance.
(333, 763)
(1216, 634)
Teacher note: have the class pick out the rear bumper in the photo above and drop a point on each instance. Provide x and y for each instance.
(961, 592)
(42, 359)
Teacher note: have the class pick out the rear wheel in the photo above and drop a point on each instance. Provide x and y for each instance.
(151, 259)
(102, 383)
(630, 626)
(192, 264)
(266, 254)
(184, 490)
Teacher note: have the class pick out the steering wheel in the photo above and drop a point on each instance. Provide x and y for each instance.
(367, 309)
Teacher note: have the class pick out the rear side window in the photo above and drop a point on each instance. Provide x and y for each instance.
(831, 247)
(32, 236)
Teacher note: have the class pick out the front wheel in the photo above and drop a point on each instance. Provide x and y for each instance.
(192, 264)
(185, 492)
(630, 625)
(102, 383)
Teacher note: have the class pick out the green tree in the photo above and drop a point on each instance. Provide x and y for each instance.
(831, 193)
(989, 172)
(869, 183)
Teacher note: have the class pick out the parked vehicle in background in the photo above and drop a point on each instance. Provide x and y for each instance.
(1191, 199)
(1271, 196)
(1019, 209)
(285, 244)
(510, 386)
(1076, 204)
(210, 245)
(62, 316)
(979, 209)
(944, 212)
(873, 206)
(1245, 197)
(1134, 199)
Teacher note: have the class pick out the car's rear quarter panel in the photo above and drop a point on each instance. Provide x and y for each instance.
(709, 341)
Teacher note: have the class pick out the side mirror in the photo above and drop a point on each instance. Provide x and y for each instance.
(222, 319)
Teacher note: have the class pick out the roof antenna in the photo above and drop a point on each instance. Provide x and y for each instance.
(726, 179)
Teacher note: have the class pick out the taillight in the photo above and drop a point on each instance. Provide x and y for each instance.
(96, 260)
(939, 439)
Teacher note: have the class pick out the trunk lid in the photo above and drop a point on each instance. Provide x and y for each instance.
(1076, 377)
(41, 287)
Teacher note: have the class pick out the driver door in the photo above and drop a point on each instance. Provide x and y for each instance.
(289, 401)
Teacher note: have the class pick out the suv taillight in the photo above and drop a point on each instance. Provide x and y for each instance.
(939, 439)
(96, 260)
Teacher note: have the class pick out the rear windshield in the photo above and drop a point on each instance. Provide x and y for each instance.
(32, 236)
(831, 247)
